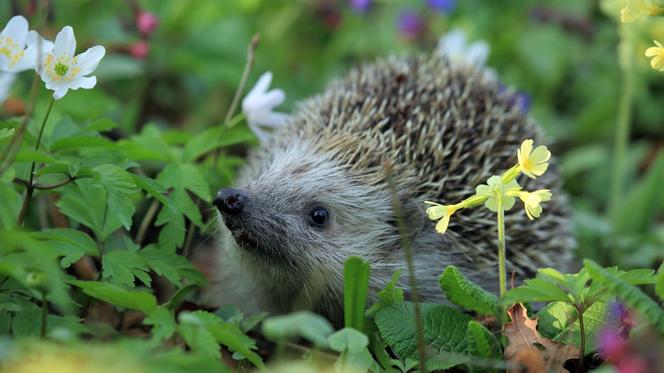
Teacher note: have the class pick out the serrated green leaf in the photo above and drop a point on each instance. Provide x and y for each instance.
(559, 321)
(118, 296)
(172, 266)
(163, 323)
(69, 243)
(31, 155)
(444, 328)
(463, 292)
(152, 188)
(483, 344)
(116, 179)
(356, 285)
(122, 267)
(307, 325)
(185, 176)
(223, 332)
(631, 295)
(200, 340)
(536, 290)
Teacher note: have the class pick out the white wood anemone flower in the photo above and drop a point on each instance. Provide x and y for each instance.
(62, 71)
(258, 106)
(6, 81)
(19, 48)
(455, 46)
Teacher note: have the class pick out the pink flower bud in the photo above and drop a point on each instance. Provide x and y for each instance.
(146, 22)
(139, 49)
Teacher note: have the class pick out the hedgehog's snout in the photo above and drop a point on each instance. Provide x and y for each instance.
(230, 201)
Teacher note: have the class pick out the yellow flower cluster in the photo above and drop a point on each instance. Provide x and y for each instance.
(657, 54)
(500, 191)
(637, 10)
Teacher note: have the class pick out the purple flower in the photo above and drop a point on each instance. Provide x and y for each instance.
(622, 317)
(410, 24)
(611, 345)
(444, 6)
(361, 6)
(523, 100)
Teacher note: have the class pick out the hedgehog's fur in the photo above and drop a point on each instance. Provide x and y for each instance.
(445, 129)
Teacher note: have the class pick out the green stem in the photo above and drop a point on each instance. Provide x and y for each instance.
(501, 248)
(582, 332)
(145, 223)
(44, 315)
(30, 188)
(9, 152)
(406, 244)
(621, 136)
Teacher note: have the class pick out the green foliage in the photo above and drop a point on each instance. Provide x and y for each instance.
(388, 296)
(307, 325)
(116, 295)
(482, 344)
(444, 328)
(356, 284)
(352, 346)
(622, 288)
(463, 292)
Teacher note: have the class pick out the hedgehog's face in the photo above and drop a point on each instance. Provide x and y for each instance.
(302, 209)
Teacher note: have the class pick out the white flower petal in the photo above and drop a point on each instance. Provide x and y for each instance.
(36, 41)
(89, 60)
(477, 53)
(272, 119)
(452, 43)
(17, 30)
(60, 92)
(65, 42)
(260, 134)
(267, 101)
(6, 81)
(85, 82)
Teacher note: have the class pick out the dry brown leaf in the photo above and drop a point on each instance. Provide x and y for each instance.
(522, 335)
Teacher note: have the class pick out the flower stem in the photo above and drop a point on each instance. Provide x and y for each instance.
(145, 223)
(582, 332)
(30, 187)
(406, 244)
(9, 152)
(501, 248)
(621, 136)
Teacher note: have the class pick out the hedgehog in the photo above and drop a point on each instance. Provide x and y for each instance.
(317, 192)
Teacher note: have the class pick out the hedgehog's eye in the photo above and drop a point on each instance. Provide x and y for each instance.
(318, 216)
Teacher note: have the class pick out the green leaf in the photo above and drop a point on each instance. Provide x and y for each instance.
(172, 266)
(214, 138)
(185, 176)
(463, 292)
(118, 296)
(172, 233)
(659, 285)
(31, 155)
(444, 328)
(69, 243)
(122, 267)
(639, 208)
(355, 356)
(85, 202)
(631, 295)
(77, 142)
(307, 325)
(356, 285)
(482, 343)
(10, 206)
(222, 332)
(152, 188)
(388, 296)
(163, 323)
(559, 321)
(536, 290)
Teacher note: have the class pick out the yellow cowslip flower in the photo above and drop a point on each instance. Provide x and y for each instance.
(636, 10)
(531, 201)
(657, 54)
(533, 163)
(442, 212)
(496, 189)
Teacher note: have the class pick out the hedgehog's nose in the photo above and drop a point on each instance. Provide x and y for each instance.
(230, 201)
